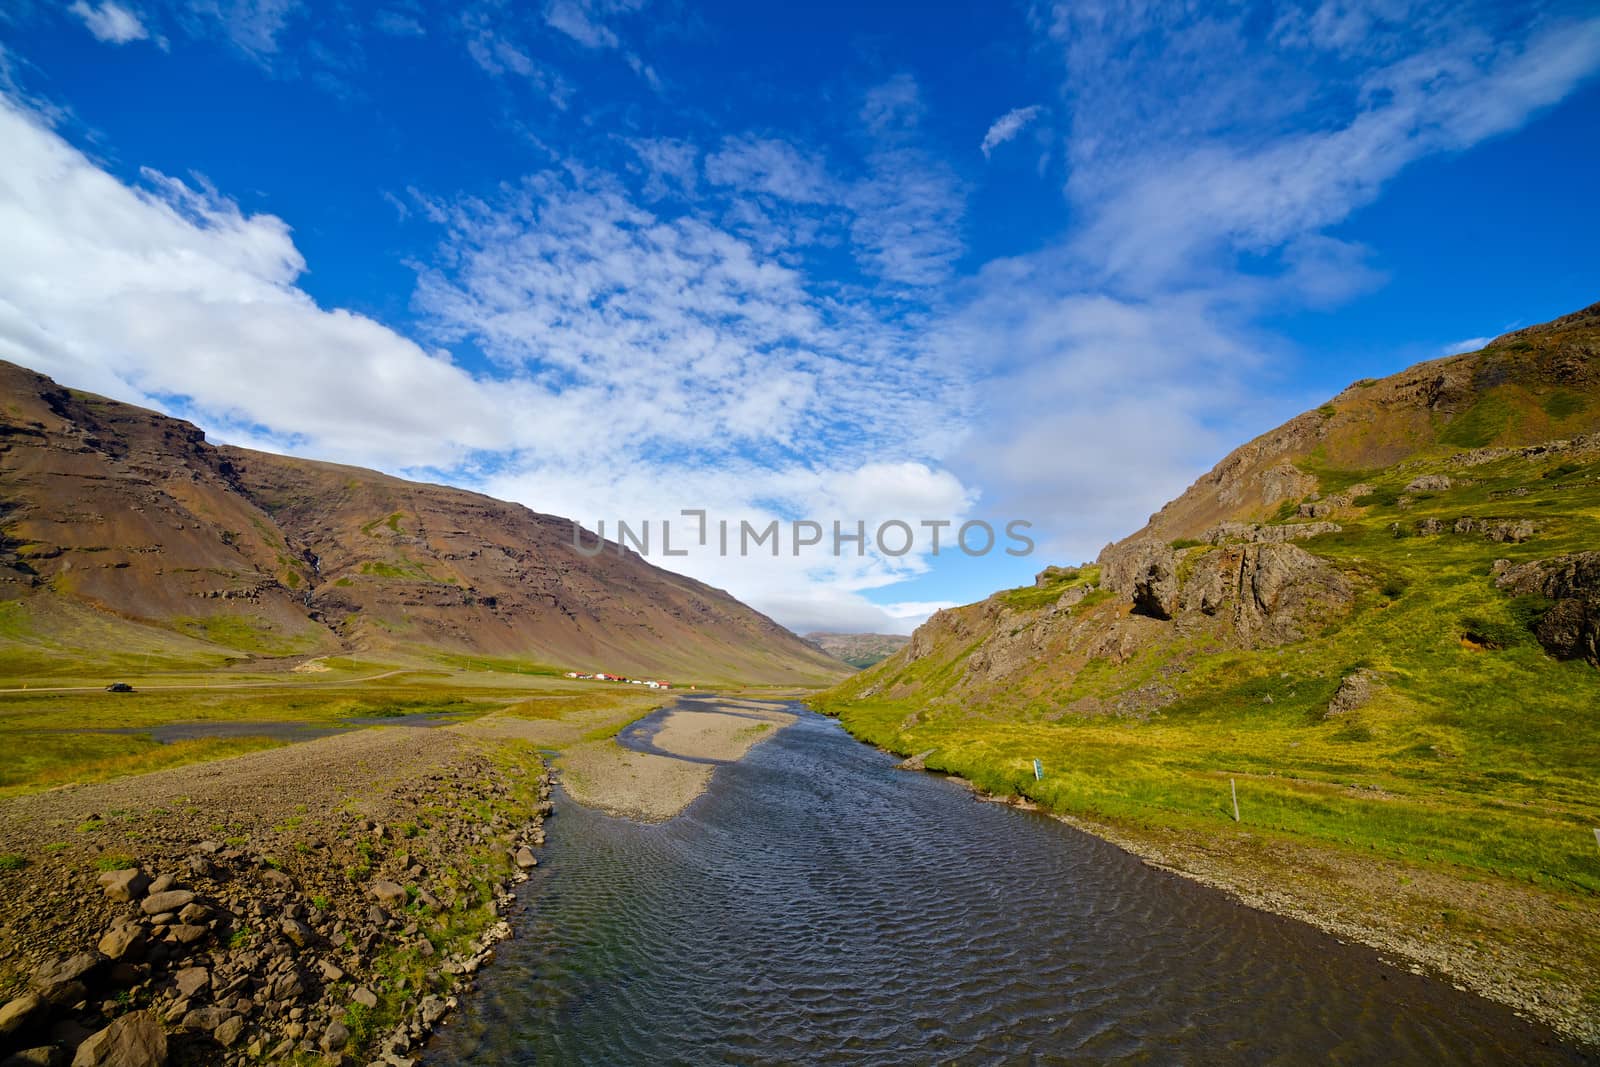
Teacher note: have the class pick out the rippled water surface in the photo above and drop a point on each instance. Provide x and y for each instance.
(817, 905)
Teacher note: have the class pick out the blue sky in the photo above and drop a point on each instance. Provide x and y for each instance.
(615, 258)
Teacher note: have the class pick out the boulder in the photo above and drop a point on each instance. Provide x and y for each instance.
(335, 1037)
(205, 1019)
(228, 1030)
(191, 980)
(1571, 628)
(525, 858)
(299, 934)
(390, 894)
(124, 885)
(66, 981)
(124, 942)
(364, 997)
(1355, 690)
(43, 1056)
(170, 900)
(20, 1014)
(135, 1040)
(1429, 483)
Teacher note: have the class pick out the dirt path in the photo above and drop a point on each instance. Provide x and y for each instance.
(213, 685)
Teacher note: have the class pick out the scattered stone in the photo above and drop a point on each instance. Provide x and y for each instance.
(65, 981)
(164, 883)
(331, 971)
(1429, 483)
(365, 997)
(185, 934)
(135, 1040)
(43, 1056)
(192, 980)
(228, 1030)
(299, 934)
(336, 1037)
(124, 885)
(525, 858)
(169, 900)
(206, 1019)
(389, 894)
(276, 878)
(125, 941)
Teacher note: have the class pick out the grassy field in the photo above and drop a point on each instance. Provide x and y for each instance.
(55, 731)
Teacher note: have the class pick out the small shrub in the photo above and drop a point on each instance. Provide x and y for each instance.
(1186, 542)
(1327, 411)
(114, 863)
(12, 862)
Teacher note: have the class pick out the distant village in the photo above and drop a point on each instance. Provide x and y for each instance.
(601, 676)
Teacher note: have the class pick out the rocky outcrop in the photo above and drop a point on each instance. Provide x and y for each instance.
(1271, 593)
(1260, 533)
(1355, 691)
(1571, 628)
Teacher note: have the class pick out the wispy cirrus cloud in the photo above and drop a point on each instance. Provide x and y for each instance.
(111, 22)
(1008, 126)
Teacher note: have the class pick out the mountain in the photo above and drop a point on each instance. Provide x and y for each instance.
(124, 532)
(1316, 524)
(859, 650)
(1350, 674)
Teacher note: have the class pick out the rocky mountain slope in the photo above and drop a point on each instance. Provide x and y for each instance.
(124, 533)
(859, 650)
(1378, 623)
(1257, 553)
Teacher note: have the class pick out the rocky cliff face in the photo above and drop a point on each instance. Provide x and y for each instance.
(121, 521)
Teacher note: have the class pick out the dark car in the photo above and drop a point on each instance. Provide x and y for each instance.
(119, 687)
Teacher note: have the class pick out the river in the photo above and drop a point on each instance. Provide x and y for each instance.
(818, 905)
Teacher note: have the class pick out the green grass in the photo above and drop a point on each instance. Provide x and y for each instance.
(12, 862)
(1033, 597)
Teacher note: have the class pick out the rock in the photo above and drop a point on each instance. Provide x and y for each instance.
(276, 878)
(43, 1056)
(364, 997)
(135, 1040)
(525, 858)
(432, 1010)
(64, 982)
(428, 900)
(164, 883)
(288, 987)
(1053, 573)
(169, 900)
(19, 1014)
(228, 1030)
(331, 971)
(299, 934)
(1429, 483)
(186, 934)
(194, 914)
(1072, 596)
(1571, 628)
(1354, 692)
(336, 1037)
(389, 894)
(192, 980)
(125, 941)
(1257, 533)
(124, 885)
(204, 1019)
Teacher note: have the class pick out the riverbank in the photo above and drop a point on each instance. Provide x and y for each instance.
(658, 776)
(327, 898)
(1519, 945)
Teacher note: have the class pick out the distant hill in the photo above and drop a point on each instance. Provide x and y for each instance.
(125, 533)
(859, 650)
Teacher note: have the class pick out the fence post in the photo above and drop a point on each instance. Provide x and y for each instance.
(1235, 787)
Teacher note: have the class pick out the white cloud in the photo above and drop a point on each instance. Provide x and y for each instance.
(647, 362)
(110, 22)
(1471, 344)
(1008, 126)
(253, 26)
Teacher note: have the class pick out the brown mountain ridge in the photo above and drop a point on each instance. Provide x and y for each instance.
(124, 532)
